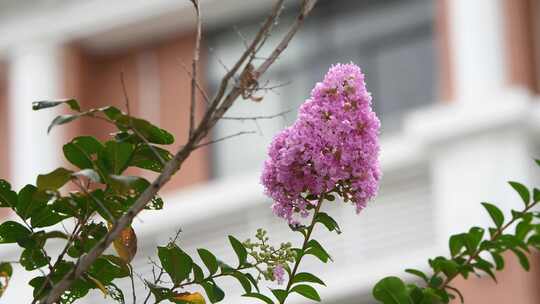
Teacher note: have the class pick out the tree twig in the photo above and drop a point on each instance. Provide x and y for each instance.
(161, 271)
(131, 127)
(224, 138)
(199, 86)
(219, 105)
(262, 117)
(194, 68)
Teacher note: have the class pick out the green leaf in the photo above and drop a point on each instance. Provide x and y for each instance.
(307, 277)
(123, 184)
(225, 268)
(160, 293)
(252, 280)
(29, 202)
(522, 191)
(456, 243)
(498, 259)
(239, 249)
(259, 296)
(534, 240)
(82, 151)
(107, 268)
(115, 293)
(328, 222)
(11, 232)
(523, 260)
(54, 180)
(209, 259)
(72, 103)
(62, 119)
(79, 288)
(391, 290)
(47, 216)
(145, 158)
(33, 259)
(214, 293)
(176, 262)
(523, 229)
(485, 266)
(314, 248)
(448, 267)
(511, 241)
(245, 282)
(418, 273)
(435, 281)
(495, 213)
(330, 197)
(307, 291)
(8, 197)
(536, 195)
(152, 133)
(473, 238)
(117, 155)
(280, 294)
(198, 274)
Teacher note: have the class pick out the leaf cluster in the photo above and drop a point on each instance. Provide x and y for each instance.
(88, 196)
(477, 251)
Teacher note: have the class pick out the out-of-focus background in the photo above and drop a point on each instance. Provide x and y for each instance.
(455, 83)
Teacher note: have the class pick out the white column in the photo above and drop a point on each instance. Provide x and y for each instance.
(477, 48)
(35, 73)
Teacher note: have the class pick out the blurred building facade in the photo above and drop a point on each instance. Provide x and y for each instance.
(455, 83)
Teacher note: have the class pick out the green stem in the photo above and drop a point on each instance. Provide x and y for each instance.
(307, 238)
(477, 253)
(214, 276)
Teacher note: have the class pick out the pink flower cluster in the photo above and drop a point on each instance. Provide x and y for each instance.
(332, 147)
(279, 274)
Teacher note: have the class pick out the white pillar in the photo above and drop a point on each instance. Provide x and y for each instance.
(477, 42)
(35, 73)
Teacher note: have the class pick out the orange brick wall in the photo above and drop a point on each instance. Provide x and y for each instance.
(95, 80)
(515, 285)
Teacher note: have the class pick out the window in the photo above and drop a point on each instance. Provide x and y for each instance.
(391, 40)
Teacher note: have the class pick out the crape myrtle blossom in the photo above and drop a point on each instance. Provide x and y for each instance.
(332, 147)
(279, 274)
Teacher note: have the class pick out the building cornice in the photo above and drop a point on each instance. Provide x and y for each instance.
(105, 26)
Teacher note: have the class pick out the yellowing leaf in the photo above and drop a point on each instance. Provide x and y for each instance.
(194, 298)
(5, 274)
(126, 244)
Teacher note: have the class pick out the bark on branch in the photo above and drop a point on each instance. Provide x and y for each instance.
(223, 100)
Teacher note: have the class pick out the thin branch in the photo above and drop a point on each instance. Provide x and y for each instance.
(478, 251)
(131, 127)
(263, 117)
(194, 68)
(221, 102)
(161, 271)
(224, 138)
(198, 85)
(242, 37)
(134, 294)
(307, 7)
(223, 65)
(95, 199)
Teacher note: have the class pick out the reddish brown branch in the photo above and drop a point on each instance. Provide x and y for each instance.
(218, 106)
